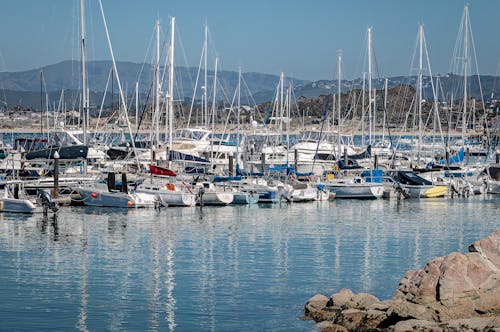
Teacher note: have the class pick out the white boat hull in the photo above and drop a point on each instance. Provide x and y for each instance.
(18, 206)
(215, 198)
(356, 190)
(101, 198)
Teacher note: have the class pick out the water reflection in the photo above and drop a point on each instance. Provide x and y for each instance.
(218, 268)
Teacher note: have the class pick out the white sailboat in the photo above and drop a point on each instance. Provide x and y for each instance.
(209, 194)
(170, 194)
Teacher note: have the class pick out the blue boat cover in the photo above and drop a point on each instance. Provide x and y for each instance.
(227, 178)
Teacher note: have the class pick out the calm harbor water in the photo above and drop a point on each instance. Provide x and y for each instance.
(219, 269)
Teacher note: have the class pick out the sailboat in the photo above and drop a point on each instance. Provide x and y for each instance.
(345, 185)
(169, 193)
(209, 194)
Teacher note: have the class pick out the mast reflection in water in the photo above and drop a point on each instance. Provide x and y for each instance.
(220, 268)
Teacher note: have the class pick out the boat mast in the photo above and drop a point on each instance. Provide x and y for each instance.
(157, 85)
(370, 114)
(214, 109)
(282, 79)
(363, 110)
(288, 115)
(339, 91)
(41, 102)
(171, 85)
(205, 94)
(122, 97)
(84, 87)
(137, 106)
(238, 118)
(466, 60)
(419, 88)
(385, 108)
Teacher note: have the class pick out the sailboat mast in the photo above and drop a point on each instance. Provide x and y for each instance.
(282, 79)
(41, 103)
(339, 91)
(205, 106)
(419, 84)
(84, 87)
(385, 108)
(363, 110)
(122, 97)
(370, 114)
(137, 106)
(214, 109)
(171, 85)
(238, 118)
(157, 85)
(466, 58)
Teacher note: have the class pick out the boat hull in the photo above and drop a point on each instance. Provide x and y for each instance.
(245, 198)
(18, 206)
(215, 198)
(356, 191)
(65, 152)
(92, 197)
(427, 191)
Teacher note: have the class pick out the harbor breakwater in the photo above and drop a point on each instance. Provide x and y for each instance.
(459, 292)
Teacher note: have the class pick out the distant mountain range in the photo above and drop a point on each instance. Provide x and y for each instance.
(22, 89)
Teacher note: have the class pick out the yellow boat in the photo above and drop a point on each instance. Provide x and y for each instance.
(437, 191)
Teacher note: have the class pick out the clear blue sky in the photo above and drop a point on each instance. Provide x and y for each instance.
(300, 38)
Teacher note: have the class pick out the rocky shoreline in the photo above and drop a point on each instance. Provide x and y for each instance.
(459, 292)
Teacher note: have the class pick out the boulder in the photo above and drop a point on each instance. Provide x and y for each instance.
(459, 292)
(351, 318)
(328, 326)
(315, 303)
(342, 298)
(468, 285)
(410, 310)
(346, 298)
(473, 324)
(415, 325)
(489, 248)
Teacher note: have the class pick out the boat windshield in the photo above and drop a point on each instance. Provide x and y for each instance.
(190, 134)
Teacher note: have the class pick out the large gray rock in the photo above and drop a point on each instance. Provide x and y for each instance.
(415, 325)
(459, 292)
(346, 298)
(327, 326)
(315, 303)
(468, 285)
(489, 248)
